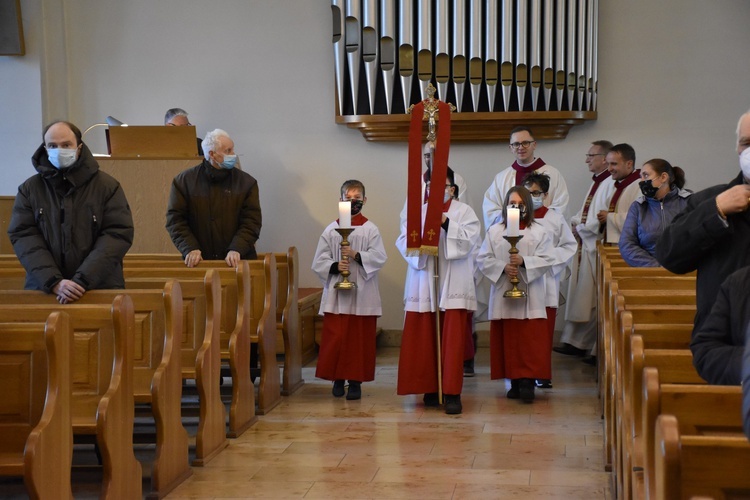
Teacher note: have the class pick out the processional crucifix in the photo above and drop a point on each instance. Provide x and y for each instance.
(425, 238)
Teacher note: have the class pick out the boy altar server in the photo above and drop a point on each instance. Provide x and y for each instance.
(347, 350)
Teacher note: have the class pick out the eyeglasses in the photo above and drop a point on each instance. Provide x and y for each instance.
(536, 193)
(588, 155)
(524, 144)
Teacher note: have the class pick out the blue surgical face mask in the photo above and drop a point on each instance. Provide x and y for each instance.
(537, 202)
(229, 162)
(62, 158)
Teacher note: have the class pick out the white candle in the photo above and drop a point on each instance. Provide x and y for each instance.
(345, 214)
(513, 216)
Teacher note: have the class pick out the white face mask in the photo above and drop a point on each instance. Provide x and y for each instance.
(745, 163)
(61, 158)
(537, 202)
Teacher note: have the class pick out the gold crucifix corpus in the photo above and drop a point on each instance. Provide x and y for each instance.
(430, 112)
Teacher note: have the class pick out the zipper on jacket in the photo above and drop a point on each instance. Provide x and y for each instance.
(663, 220)
(63, 246)
(94, 228)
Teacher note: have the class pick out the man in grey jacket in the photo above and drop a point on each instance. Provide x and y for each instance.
(71, 224)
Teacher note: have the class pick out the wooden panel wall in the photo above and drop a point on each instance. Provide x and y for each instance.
(147, 183)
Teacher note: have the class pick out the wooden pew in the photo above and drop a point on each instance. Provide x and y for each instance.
(102, 401)
(288, 328)
(636, 314)
(699, 466)
(700, 409)
(675, 366)
(310, 321)
(36, 437)
(200, 356)
(233, 325)
(195, 319)
(156, 371)
(247, 313)
(674, 308)
(605, 312)
(287, 321)
(662, 329)
(643, 282)
(12, 277)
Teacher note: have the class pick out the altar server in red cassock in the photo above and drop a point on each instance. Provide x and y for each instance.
(347, 349)
(519, 350)
(455, 296)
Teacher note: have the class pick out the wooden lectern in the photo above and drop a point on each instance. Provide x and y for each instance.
(147, 141)
(144, 160)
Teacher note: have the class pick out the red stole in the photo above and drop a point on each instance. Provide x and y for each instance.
(357, 220)
(598, 179)
(424, 238)
(521, 171)
(620, 187)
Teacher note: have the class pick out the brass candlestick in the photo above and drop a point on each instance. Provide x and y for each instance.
(345, 284)
(514, 293)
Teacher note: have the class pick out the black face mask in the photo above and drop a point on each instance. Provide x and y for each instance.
(522, 211)
(357, 206)
(648, 189)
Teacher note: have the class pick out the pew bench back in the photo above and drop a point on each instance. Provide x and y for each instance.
(36, 438)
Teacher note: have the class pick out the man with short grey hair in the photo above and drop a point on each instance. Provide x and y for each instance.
(178, 117)
(214, 208)
(580, 330)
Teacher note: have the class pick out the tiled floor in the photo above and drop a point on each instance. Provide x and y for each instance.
(389, 446)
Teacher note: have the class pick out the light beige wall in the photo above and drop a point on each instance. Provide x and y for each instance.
(673, 80)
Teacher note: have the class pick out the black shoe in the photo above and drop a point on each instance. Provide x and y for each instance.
(355, 390)
(338, 388)
(569, 350)
(469, 368)
(590, 360)
(513, 393)
(544, 383)
(453, 404)
(431, 399)
(526, 390)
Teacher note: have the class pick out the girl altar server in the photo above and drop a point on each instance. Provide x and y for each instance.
(518, 326)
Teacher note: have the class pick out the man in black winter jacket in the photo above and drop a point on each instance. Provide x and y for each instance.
(214, 208)
(712, 234)
(71, 224)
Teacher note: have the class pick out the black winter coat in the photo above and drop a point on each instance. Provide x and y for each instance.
(698, 239)
(73, 223)
(719, 343)
(214, 211)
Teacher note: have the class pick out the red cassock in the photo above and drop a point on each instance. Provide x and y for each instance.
(347, 348)
(520, 348)
(417, 364)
